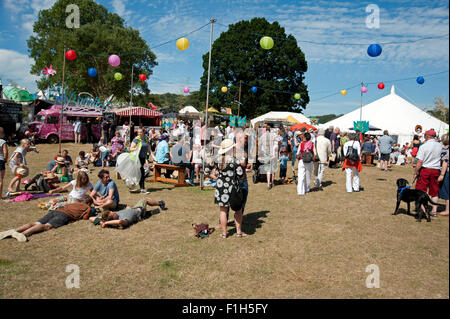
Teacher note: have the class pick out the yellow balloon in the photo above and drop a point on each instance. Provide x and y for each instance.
(182, 44)
(343, 92)
(224, 89)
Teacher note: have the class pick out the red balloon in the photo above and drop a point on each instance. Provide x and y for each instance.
(71, 55)
(142, 77)
(381, 86)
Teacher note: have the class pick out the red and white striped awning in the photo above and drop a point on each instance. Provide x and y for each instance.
(137, 111)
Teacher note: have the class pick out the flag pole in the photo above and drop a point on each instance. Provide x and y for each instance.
(212, 20)
(131, 98)
(360, 109)
(62, 102)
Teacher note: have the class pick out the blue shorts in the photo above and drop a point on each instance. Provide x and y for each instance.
(2, 165)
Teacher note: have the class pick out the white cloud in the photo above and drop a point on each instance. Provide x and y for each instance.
(120, 8)
(16, 66)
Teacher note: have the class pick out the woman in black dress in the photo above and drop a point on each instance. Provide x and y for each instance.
(230, 172)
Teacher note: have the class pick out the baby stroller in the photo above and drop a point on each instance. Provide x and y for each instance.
(257, 176)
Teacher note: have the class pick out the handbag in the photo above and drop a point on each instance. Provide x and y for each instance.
(237, 194)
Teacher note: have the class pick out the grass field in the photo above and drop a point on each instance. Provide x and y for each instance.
(314, 246)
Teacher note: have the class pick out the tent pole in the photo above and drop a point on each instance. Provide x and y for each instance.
(62, 102)
(131, 97)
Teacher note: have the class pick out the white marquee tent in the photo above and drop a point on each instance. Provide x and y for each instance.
(188, 109)
(282, 116)
(392, 113)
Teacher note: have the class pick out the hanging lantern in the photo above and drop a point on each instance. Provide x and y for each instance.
(114, 60)
(266, 43)
(374, 50)
(92, 72)
(118, 76)
(363, 89)
(182, 44)
(71, 55)
(142, 77)
(343, 92)
(254, 89)
(224, 89)
(381, 85)
(186, 90)
(420, 80)
(297, 96)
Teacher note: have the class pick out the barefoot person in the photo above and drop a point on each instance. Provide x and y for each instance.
(54, 219)
(105, 194)
(130, 215)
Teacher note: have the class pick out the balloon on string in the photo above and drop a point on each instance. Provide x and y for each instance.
(142, 77)
(182, 44)
(363, 89)
(374, 50)
(92, 72)
(71, 55)
(114, 60)
(186, 90)
(381, 85)
(224, 89)
(254, 89)
(420, 80)
(118, 76)
(343, 92)
(266, 43)
(297, 96)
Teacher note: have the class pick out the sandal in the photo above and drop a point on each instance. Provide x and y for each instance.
(224, 236)
(240, 235)
(433, 214)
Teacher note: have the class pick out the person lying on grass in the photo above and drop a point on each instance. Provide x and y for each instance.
(128, 216)
(54, 219)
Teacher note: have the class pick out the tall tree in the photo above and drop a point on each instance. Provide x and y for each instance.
(237, 56)
(440, 110)
(100, 34)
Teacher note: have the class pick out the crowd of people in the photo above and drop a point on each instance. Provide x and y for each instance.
(225, 156)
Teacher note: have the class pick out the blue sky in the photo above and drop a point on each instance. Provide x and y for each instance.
(330, 67)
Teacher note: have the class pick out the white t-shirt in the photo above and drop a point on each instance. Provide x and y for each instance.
(401, 159)
(79, 193)
(430, 154)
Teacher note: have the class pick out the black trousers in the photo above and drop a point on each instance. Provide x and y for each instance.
(142, 180)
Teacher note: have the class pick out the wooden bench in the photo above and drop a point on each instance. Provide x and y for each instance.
(178, 182)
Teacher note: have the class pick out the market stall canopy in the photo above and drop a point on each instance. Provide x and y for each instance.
(136, 111)
(299, 126)
(188, 109)
(292, 119)
(213, 110)
(18, 95)
(392, 113)
(299, 117)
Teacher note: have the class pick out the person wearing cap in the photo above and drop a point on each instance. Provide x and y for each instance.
(163, 153)
(18, 160)
(428, 167)
(283, 164)
(230, 171)
(385, 147)
(323, 151)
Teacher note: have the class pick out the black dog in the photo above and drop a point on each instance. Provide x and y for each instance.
(404, 193)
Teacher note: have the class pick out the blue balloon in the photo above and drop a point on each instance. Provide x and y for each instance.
(374, 50)
(254, 89)
(420, 80)
(92, 72)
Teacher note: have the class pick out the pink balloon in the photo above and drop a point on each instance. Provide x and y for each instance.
(363, 89)
(114, 60)
(186, 90)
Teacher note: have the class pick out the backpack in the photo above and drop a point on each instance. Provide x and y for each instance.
(307, 155)
(202, 230)
(352, 153)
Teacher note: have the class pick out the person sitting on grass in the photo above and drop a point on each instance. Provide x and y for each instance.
(61, 170)
(54, 219)
(80, 188)
(105, 194)
(130, 215)
(82, 161)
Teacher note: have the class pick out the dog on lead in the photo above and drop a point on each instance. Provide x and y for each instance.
(407, 195)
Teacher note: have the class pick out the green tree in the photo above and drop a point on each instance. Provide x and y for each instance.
(100, 34)
(440, 110)
(238, 56)
(326, 118)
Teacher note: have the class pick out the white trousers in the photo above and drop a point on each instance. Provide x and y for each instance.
(319, 169)
(348, 184)
(304, 177)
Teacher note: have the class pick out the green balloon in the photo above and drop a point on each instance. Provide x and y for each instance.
(297, 96)
(266, 43)
(118, 76)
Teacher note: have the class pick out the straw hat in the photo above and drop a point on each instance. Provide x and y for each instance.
(60, 160)
(50, 176)
(226, 145)
(22, 171)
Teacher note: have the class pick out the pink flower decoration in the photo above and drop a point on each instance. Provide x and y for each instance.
(49, 71)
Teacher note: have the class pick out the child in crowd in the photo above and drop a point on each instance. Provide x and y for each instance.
(283, 164)
(401, 159)
(16, 161)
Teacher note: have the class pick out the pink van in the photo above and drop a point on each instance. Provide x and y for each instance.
(46, 124)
